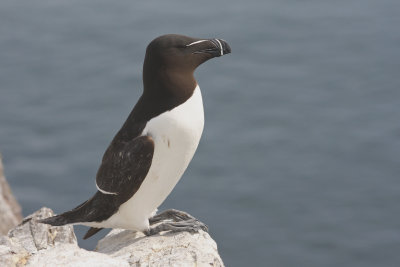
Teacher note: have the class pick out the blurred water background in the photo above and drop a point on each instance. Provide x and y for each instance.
(299, 164)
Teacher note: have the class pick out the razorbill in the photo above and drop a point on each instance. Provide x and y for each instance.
(151, 151)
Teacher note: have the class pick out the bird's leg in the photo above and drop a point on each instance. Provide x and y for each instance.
(190, 225)
(181, 222)
(172, 214)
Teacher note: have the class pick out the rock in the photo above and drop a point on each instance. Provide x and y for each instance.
(32, 244)
(33, 236)
(10, 210)
(168, 249)
(30, 237)
(72, 255)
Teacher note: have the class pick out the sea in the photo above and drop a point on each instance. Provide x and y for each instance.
(299, 163)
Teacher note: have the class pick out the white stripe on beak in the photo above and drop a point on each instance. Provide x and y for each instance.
(197, 42)
(220, 45)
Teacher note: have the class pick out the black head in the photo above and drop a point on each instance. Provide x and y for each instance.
(171, 60)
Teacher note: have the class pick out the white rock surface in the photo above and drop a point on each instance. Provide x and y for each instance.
(32, 244)
(10, 211)
(71, 255)
(177, 249)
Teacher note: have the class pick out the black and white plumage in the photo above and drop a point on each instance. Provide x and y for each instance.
(151, 151)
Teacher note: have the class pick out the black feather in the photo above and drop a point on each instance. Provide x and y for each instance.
(91, 231)
(57, 220)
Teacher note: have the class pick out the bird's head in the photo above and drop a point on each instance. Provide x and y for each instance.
(175, 57)
(183, 52)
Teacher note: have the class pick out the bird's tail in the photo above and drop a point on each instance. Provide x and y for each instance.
(66, 217)
(62, 219)
(57, 220)
(99, 208)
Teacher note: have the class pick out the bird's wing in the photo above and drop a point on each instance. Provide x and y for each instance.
(124, 168)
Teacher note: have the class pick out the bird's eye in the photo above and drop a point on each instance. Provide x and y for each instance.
(181, 46)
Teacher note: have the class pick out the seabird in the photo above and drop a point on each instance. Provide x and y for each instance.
(151, 151)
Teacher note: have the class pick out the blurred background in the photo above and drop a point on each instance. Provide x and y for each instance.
(299, 164)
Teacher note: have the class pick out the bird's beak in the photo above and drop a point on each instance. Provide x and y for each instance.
(221, 47)
(215, 47)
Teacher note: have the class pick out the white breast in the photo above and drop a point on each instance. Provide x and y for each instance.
(176, 135)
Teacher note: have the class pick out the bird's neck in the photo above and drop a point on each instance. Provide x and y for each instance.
(166, 83)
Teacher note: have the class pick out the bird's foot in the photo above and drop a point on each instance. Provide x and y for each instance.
(190, 225)
(171, 214)
(181, 222)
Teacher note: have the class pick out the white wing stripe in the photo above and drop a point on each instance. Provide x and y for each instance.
(105, 192)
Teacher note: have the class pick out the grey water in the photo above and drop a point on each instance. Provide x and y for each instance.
(299, 163)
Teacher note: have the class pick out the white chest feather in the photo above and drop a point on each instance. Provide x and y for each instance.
(176, 134)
